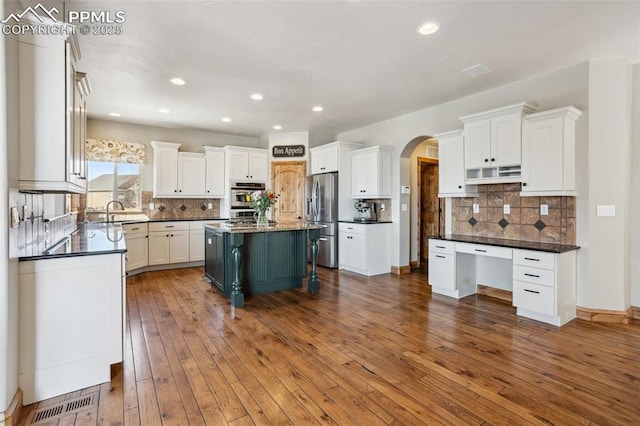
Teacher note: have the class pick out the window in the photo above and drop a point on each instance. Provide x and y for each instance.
(113, 181)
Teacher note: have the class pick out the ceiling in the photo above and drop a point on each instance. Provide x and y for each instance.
(363, 61)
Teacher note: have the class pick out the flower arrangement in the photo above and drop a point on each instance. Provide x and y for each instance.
(261, 201)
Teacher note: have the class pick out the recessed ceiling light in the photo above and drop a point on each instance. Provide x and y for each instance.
(226, 119)
(256, 97)
(164, 111)
(178, 81)
(277, 127)
(114, 114)
(476, 70)
(317, 108)
(428, 28)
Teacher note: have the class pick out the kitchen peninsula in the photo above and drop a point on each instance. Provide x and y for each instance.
(250, 259)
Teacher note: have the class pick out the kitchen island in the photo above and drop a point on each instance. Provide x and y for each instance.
(250, 259)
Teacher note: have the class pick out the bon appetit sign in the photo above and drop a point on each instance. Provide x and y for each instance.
(288, 151)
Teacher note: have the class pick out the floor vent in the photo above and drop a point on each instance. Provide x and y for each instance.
(63, 409)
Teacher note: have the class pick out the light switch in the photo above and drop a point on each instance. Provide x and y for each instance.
(152, 206)
(210, 206)
(506, 209)
(606, 210)
(544, 209)
(476, 208)
(405, 189)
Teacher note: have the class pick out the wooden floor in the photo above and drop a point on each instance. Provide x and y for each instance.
(380, 350)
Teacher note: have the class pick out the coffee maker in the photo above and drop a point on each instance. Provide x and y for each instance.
(367, 211)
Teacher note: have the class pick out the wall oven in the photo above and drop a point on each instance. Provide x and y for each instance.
(240, 196)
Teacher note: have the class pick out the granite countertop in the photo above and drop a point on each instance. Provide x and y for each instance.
(90, 239)
(275, 227)
(516, 244)
(145, 219)
(366, 223)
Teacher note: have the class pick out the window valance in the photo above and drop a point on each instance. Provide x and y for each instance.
(114, 151)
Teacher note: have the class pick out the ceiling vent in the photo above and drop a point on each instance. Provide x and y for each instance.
(476, 70)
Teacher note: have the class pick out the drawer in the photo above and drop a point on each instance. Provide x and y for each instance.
(534, 275)
(536, 259)
(441, 246)
(135, 228)
(354, 228)
(484, 250)
(169, 226)
(199, 224)
(533, 297)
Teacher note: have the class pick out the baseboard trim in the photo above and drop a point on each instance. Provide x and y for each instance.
(12, 414)
(603, 315)
(152, 268)
(414, 264)
(635, 312)
(496, 293)
(400, 270)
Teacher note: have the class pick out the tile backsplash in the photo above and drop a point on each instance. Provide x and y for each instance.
(524, 222)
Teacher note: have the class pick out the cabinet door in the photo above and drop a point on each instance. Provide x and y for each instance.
(358, 176)
(318, 160)
(331, 160)
(137, 252)
(159, 248)
(238, 165)
(477, 144)
(165, 172)
(191, 174)
(371, 174)
(442, 270)
(258, 166)
(214, 163)
(179, 246)
(344, 249)
(506, 139)
(196, 245)
(358, 256)
(542, 157)
(451, 165)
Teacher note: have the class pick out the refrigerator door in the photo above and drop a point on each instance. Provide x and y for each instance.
(322, 198)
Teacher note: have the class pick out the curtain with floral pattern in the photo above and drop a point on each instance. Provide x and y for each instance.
(114, 151)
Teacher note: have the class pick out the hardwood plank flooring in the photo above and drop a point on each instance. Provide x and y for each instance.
(377, 350)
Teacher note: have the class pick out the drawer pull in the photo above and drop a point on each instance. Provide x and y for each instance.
(531, 291)
(441, 257)
(531, 275)
(481, 251)
(134, 229)
(169, 226)
(531, 258)
(440, 247)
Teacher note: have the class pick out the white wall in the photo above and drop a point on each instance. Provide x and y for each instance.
(289, 138)
(634, 250)
(190, 140)
(560, 88)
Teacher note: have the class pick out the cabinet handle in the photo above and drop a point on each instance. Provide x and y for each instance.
(531, 291)
(172, 235)
(134, 229)
(486, 160)
(481, 251)
(493, 159)
(440, 247)
(208, 191)
(441, 257)
(167, 235)
(348, 227)
(169, 226)
(323, 239)
(180, 190)
(146, 236)
(524, 183)
(175, 190)
(459, 186)
(531, 275)
(531, 258)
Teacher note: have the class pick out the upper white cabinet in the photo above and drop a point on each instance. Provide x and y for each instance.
(165, 169)
(214, 180)
(247, 164)
(191, 174)
(51, 111)
(451, 166)
(492, 144)
(325, 159)
(548, 153)
(371, 173)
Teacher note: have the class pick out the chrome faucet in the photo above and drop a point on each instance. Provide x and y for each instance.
(109, 204)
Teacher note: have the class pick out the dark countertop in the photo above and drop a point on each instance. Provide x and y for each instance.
(90, 239)
(275, 227)
(516, 244)
(365, 223)
(148, 220)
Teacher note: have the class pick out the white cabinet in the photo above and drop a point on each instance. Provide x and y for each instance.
(214, 176)
(78, 125)
(136, 236)
(325, 159)
(165, 169)
(49, 160)
(548, 153)
(71, 316)
(451, 166)
(191, 174)
(544, 285)
(492, 144)
(196, 240)
(450, 274)
(247, 164)
(168, 242)
(371, 173)
(364, 248)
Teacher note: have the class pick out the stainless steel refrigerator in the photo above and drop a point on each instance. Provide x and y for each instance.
(322, 209)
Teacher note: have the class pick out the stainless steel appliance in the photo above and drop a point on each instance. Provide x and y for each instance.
(367, 211)
(240, 195)
(322, 209)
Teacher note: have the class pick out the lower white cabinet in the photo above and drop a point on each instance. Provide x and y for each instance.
(196, 240)
(168, 242)
(72, 317)
(363, 248)
(136, 236)
(447, 274)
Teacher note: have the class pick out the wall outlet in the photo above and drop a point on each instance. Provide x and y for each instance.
(152, 206)
(210, 206)
(606, 210)
(506, 209)
(476, 208)
(382, 207)
(405, 189)
(544, 209)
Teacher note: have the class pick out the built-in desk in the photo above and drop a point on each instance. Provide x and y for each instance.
(541, 276)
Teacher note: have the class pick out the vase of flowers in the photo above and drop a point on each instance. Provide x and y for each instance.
(261, 201)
